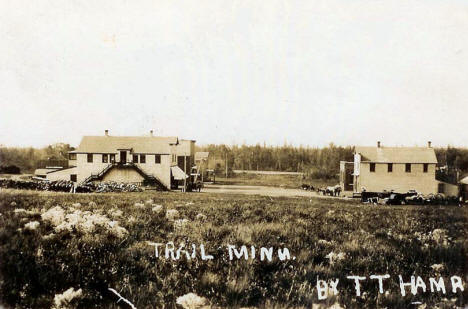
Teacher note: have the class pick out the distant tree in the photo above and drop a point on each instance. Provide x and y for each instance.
(316, 162)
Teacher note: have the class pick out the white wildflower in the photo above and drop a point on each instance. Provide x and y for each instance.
(440, 236)
(19, 211)
(157, 208)
(39, 252)
(201, 217)
(117, 230)
(149, 202)
(438, 267)
(92, 204)
(76, 205)
(180, 223)
(48, 236)
(85, 222)
(172, 214)
(191, 301)
(324, 242)
(333, 257)
(139, 205)
(115, 212)
(32, 225)
(55, 215)
(62, 301)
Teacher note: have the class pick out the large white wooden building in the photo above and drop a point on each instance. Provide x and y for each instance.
(398, 169)
(153, 160)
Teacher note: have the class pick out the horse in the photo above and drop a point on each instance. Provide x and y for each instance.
(322, 190)
(333, 190)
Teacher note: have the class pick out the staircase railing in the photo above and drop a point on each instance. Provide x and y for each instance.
(149, 177)
(98, 175)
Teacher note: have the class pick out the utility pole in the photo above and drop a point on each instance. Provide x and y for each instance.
(226, 165)
(185, 172)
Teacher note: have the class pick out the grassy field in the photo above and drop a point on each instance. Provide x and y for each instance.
(50, 242)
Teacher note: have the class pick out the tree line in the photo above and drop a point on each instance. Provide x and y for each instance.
(314, 162)
(320, 163)
(27, 159)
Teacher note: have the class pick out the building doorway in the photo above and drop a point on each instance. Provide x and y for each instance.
(123, 157)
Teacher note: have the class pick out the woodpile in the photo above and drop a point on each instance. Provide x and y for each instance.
(68, 186)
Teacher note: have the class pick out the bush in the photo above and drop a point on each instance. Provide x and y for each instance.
(10, 169)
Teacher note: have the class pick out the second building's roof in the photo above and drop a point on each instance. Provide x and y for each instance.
(397, 154)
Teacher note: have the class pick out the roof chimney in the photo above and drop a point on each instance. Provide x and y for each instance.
(106, 132)
(429, 144)
(378, 144)
(151, 133)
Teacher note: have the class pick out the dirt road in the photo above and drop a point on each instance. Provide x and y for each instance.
(260, 190)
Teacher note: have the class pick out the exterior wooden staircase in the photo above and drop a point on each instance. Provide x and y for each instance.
(150, 180)
(98, 176)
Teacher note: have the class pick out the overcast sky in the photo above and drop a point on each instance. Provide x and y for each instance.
(307, 72)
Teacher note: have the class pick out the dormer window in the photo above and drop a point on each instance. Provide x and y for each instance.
(142, 158)
(135, 158)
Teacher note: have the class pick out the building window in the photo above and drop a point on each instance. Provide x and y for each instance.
(157, 159)
(142, 158)
(105, 158)
(112, 158)
(408, 167)
(135, 158)
(390, 167)
(372, 167)
(425, 167)
(73, 177)
(72, 156)
(90, 158)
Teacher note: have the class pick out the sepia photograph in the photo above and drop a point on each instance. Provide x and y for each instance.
(209, 154)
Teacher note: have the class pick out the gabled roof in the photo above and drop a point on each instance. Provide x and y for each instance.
(201, 155)
(397, 154)
(139, 144)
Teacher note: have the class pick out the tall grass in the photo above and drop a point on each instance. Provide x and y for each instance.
(39, 263)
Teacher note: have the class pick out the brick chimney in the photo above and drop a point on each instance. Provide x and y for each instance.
(429, 144)
(378, 144)
(106, 132)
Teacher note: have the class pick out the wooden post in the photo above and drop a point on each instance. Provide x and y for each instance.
(226, 166)
(201, 170)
